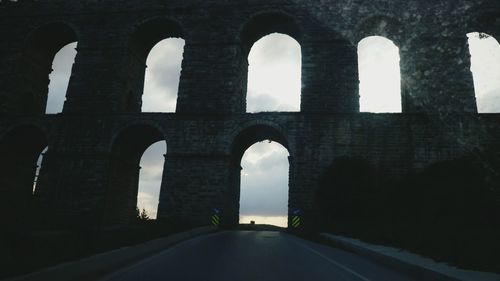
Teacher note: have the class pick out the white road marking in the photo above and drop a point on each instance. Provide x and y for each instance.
(332, 261)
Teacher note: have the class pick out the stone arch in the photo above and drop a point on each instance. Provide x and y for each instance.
(246, 137)
(271, 126)
(255, 133)
(20, 148)
(266, 23)
(145, 36)
(274, 81)
(485, 18)
(41, 46)
(151, 31)
(380, 25)
(391, 28)
(127, 148)
(136, 124)
(484, 52)
(379, 75)
(260, 26)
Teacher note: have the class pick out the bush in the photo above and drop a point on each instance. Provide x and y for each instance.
(450, 211)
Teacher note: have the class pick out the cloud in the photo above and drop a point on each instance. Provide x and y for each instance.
(379, 75)
(485, 67)
(489, 102)
(59, 78)
(149, 201)
(264, 180)
(63, 62)
(162, 76)
(265, 158)
(274, 74)
(150, 177)
(275, 49)
(261, 102)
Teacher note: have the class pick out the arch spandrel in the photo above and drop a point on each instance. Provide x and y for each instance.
(34, 64)
(143, 133)
(485, 17)
(50, 37)
(148, 32)
(26, 132)
(20, 148)
(265, 23)
(128, 146)
(253, 132)
(381, 25)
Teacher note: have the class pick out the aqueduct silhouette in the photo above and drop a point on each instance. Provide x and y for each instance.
(90, 172)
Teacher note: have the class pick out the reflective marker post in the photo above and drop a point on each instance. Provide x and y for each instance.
(215, 219)
(296, 218)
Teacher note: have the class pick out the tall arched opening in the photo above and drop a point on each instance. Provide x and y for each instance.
(264, 184)
(38, 171)
(274, 74)
(272, 52)
(20, 150)
(150, 177)
(51, 47)
(123, 189)
(379, 75)
(259, 181)
(163, 71)
(59, 78)
(156, 43)
(485, 66)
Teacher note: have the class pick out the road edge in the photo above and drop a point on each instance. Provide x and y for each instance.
(428, 270)
(99, 265)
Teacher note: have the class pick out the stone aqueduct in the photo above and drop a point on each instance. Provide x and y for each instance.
(90, 172)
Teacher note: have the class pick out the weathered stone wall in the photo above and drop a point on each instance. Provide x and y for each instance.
(89, 173)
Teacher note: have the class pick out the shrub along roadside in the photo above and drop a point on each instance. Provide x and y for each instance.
(450, 211)
(27, 251)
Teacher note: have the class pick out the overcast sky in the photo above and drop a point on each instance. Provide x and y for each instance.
(274, 85)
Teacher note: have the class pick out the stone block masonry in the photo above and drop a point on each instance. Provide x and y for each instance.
(90, 172)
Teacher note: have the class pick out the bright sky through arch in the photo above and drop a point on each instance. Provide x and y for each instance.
(38, 167)
(379, 75)
(59, 78)
(161, 82)
(274, 74)
(485, 67)
(150, 177)
(264, 184)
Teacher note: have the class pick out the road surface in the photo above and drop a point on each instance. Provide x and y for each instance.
(256, 256)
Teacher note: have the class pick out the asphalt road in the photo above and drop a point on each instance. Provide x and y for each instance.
(256, 256)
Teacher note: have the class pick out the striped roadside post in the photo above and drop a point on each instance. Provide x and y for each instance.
(296, 220)
(215, 219)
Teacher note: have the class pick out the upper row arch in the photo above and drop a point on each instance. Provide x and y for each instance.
(152, 30)
(147, 32)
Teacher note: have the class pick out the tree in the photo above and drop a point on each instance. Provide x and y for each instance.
(142, 215)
